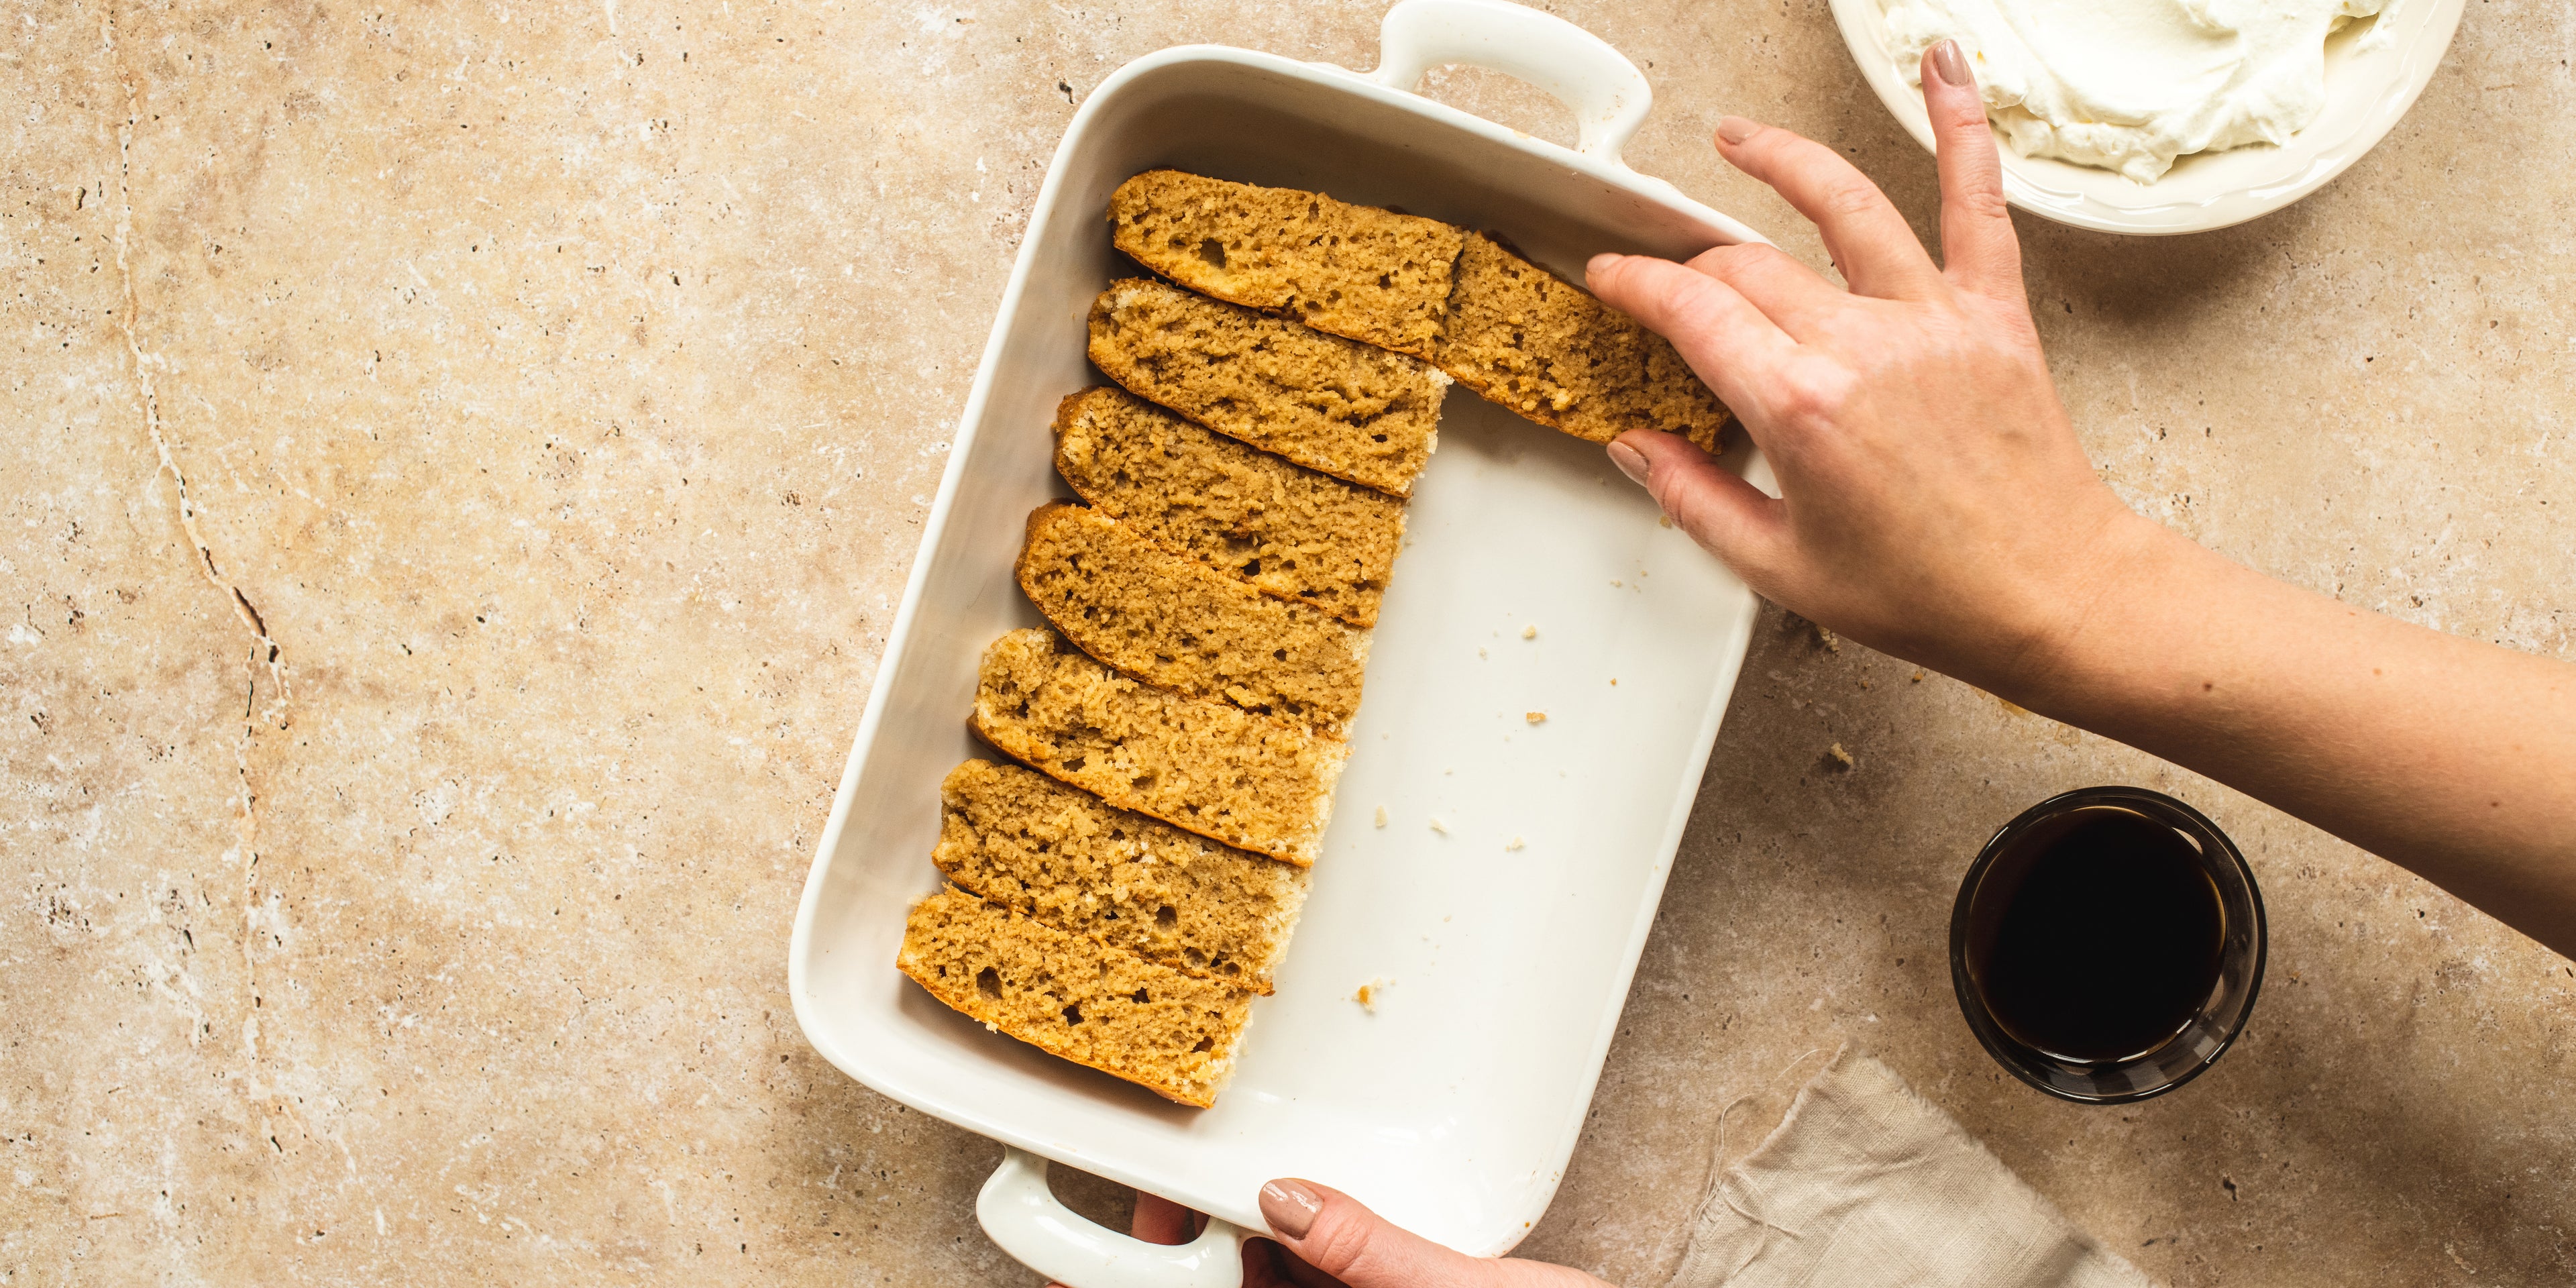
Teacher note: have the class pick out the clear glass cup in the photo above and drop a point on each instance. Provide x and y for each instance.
(2210, 1030)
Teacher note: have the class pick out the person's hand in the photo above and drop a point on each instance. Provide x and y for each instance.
(1934, 501)
(1327, 1237)
(1323, 1238)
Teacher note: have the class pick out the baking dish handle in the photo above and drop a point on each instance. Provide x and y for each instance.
(1607, 93)
(1026, 1219)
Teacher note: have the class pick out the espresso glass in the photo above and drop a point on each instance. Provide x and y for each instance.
(2214, 1024)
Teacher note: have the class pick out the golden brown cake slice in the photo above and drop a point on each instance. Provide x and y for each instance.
(1254, 782)
(1079, 864)
(1541, 346)
(1358, 271)
(1291, 532)
(1169, 620)
(1352, 410)
(1073, 996)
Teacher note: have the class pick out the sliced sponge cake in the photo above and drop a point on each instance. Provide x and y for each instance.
(1073, 996)
(1541, 346)
(1255, 782)
(1073, 861)
(1170, 620)
(1288, 530)
(1352, 410)
(1506, 328)
(1358, 271)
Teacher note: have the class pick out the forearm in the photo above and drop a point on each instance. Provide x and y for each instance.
(2451, 757)
(1934, 503)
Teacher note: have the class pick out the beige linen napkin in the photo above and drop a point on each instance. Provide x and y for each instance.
(1866, 1184)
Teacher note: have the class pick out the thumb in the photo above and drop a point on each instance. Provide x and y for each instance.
(1727, 516)
(1336, 1234)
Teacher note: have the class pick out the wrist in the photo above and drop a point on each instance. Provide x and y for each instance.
(2103, 617)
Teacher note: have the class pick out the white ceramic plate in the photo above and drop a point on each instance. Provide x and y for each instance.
(1453, 1107)
(2371, 79)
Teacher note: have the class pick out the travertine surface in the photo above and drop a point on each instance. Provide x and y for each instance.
(458, 463)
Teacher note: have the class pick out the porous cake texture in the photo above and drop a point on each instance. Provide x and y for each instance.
(1073, 996)
(1169, 620)
(1252, 781)
(1352, 410)
(1525, 338)
(1291, 532)
(1079, 864)
(1355, 271)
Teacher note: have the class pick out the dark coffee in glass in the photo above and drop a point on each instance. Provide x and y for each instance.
(2107, 944)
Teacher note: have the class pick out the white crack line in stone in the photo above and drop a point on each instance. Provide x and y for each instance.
(143, 364)
(265, 650)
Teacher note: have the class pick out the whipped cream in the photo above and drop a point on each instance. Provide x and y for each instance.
(2129, 85)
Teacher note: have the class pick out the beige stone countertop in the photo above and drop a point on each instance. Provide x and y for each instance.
(459, 462)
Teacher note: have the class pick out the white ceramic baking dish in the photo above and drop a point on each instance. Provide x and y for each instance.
(2374, 71)
(1505, 899)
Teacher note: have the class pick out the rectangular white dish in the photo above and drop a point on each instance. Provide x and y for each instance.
(1453, 1107)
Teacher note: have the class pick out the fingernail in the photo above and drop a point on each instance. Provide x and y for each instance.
(1630, 461)
(1950, 64)
(1290, 1208)
(1600, 263)
(1735, 129)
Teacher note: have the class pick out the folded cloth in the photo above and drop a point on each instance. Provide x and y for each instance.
(1867, 1184)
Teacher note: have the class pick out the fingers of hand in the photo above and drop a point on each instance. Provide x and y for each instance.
(1870, 242)
(1978, 247)
(1160, 1220)
(1296, 1272)
(1727, 516)
(1788, 292)
(1345, 1240)
(1721, 334)
(1268, 1265)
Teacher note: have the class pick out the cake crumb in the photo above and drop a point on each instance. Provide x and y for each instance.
(1918, 675)
(1513, 844)
(1614, 681)
(1838, 758)
(1529, 632)
(1615, 582)
(1367, 994)
(1663, 520)
(1381, 816)
(1480, 652)
(1536, 717)
(1439, 826)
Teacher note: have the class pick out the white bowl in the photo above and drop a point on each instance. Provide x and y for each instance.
(2369, 84)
